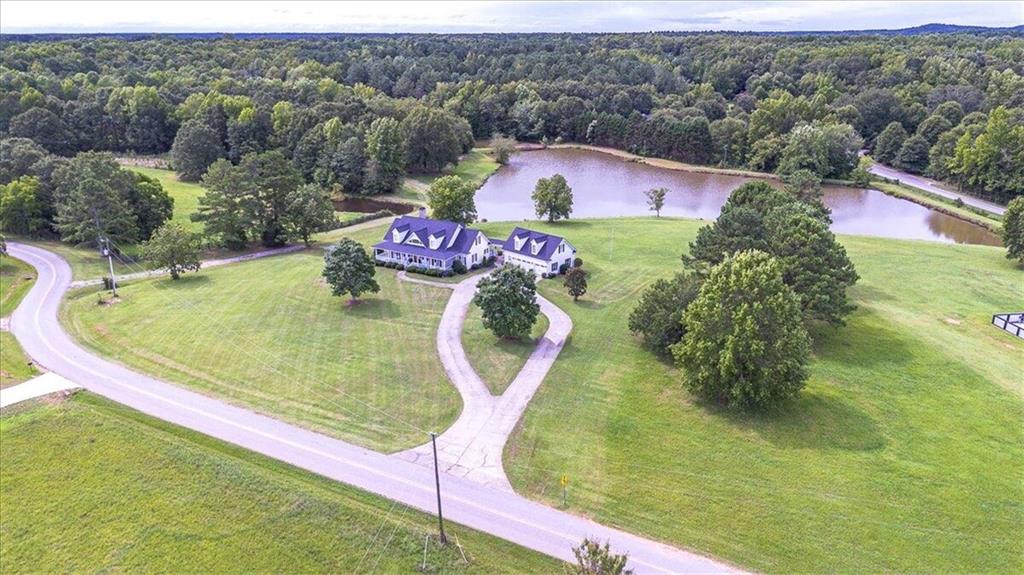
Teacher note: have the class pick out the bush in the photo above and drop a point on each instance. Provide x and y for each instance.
(958, 203)
(474, 267)
(577, 263)
(458, 267)
(563, 268)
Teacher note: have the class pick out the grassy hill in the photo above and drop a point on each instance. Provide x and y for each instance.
(904, 453)
(90, 486)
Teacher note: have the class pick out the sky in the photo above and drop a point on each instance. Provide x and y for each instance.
(18, 16)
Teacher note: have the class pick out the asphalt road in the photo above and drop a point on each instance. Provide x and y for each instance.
(933, 187)
(495, 511)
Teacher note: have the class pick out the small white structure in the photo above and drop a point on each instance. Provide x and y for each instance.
(537, 252)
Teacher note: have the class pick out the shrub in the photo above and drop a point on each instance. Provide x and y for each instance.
(563, 268)
(458, 267)
(577, 263)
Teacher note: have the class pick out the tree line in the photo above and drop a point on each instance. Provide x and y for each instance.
(355, 112)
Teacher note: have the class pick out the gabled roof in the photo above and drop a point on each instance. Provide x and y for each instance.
(426, 237)
(533, 244)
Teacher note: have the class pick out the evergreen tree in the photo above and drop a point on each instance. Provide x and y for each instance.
(576, 282)
(813, 263)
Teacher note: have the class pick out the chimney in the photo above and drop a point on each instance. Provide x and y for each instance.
(423, 212)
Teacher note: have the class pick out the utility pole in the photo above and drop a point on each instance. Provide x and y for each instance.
(437, 484)
(110, 261)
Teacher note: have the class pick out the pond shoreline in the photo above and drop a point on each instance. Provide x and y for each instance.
(684, 167)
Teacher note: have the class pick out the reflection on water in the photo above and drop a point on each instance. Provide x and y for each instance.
(605, 185)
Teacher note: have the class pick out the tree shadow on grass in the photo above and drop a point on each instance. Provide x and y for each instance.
(866, 340)
(371, 308)
(588, 304)
(185, 282)
(812, 420)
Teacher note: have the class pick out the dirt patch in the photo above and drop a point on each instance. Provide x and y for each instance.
(952, 321)
(108, 301)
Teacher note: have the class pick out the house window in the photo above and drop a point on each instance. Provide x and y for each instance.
(554, 266)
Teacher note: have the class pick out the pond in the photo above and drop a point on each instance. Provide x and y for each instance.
(604, 185)
(371, 205)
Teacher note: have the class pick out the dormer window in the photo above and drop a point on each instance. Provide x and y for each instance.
(519, 241)
(536, 246)
(397, 236)
(435, 242)
(414, 240)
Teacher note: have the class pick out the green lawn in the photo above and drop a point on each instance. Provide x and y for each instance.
(905, 453)
(16, 277)
(14, 367)
(977, 215)
(474, 167)
(89, 486)
(186, 195)
(495, 360)
(87, 262)
(268, 334)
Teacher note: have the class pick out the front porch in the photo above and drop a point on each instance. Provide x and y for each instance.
(406, 259)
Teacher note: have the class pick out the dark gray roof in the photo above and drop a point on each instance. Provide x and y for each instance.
(424, 229)
(546, 251)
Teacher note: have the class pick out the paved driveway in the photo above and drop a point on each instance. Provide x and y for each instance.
(495, 511)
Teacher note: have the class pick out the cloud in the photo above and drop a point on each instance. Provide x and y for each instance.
(557, 16)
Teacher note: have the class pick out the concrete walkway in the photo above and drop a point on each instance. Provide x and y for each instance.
(36, 387)
(472, 447)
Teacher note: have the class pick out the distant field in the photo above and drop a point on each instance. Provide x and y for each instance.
(269, 335)
(14, 367)
(904, 454)
(16, 278)
(186, 195)
(89, 486)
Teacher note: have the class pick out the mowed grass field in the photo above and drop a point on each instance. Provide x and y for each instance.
(88, 486)
(16, 278)
(186, 194)
(267, 334)
(495, 360)
(14, 366)
(905, 452)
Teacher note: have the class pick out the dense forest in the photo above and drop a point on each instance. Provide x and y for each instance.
(354, 113)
